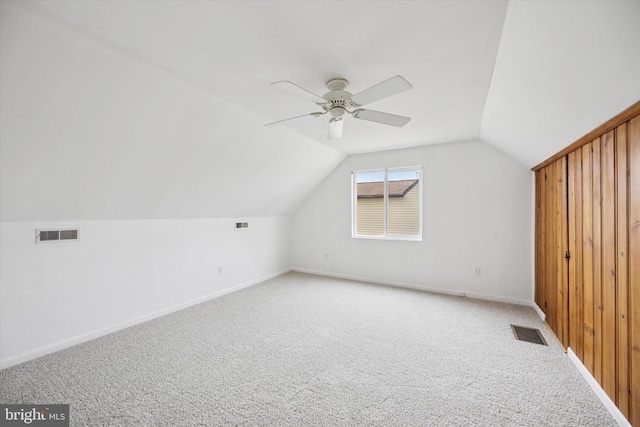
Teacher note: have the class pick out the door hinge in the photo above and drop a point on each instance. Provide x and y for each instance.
(567, 255)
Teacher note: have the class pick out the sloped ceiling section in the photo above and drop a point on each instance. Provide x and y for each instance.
(89, 131)
(563, 68)
(235, 49)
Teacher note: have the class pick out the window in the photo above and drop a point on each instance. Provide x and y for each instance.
(387, 203)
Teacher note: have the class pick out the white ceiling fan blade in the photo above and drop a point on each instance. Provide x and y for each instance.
(335, 128)
(380, 117)
(389, 87)
(296, 117)
(299, 91)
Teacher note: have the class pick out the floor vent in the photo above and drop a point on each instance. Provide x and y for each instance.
(528, 334)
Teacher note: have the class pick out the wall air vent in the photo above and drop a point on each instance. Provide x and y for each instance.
(58, 235)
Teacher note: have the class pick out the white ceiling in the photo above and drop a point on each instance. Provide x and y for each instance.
(235, 49)
(155, 105)
(554, 59)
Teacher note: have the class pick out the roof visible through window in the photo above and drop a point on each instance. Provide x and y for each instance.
(376, 189)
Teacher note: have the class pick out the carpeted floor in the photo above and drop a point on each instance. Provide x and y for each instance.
(303, 350)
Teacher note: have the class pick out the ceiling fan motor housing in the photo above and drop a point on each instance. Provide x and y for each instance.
(338, 97)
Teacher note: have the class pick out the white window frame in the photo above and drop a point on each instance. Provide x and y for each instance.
(386, 235)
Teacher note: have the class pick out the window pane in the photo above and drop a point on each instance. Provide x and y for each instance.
(369, 207)
(403, 216)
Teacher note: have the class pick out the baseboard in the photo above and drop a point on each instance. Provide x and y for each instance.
(602, 395)
(459, 293)
(538, 310)
(69, 342)
(496, 298)
(377, 281)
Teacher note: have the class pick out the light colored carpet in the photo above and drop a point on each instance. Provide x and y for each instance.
(315, 351)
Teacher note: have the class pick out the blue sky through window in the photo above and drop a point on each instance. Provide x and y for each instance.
(378, 176)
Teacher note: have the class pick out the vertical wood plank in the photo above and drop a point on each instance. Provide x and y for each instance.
(539, 261)
(597, 262)
(545, 242)
(622, 273)
(536, 234)
(579, 278)
(608, 278)
(571, 228)
(587, 246)
(554, 295)
(563, 278)
(634, 265)
(550, 255)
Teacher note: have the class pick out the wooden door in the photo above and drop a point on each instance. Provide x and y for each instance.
(590, 199)
(552, 244)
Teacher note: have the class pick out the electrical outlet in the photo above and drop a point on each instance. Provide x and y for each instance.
(220, 269)
(476, 270)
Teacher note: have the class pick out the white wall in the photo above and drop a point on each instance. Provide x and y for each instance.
(53, 295)
(154, 170)
(477, 212)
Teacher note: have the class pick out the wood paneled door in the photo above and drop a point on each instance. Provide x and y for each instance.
(588, 255)
(551, 235)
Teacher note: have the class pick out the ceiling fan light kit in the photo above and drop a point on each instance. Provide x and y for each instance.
(338, 102)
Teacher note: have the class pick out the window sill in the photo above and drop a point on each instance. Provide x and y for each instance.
(403, 238)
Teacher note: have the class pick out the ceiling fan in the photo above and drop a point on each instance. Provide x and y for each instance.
(338, 103)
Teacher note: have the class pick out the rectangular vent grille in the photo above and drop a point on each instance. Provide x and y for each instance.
(66, 234)
(528, 334)
(49, 235)
(242, 225)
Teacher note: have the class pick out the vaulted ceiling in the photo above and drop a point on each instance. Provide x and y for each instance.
(137, 109)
